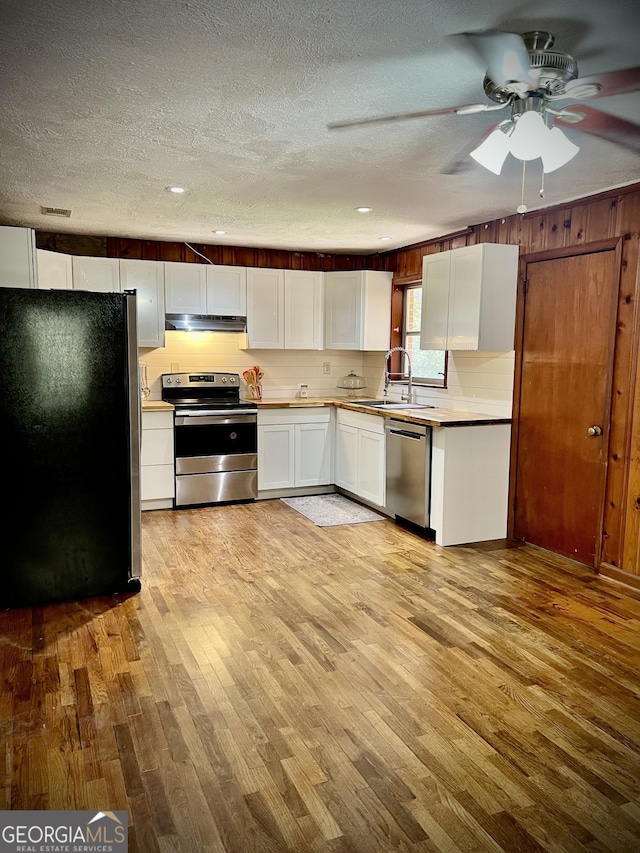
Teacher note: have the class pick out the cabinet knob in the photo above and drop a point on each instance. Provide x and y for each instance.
(594, 430)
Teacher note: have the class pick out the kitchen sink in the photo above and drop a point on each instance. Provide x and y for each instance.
(384, 404)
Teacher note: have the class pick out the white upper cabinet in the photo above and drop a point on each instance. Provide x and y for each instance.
(303, 309)
(226, 290)
(185, 288)
(469, 298)
(284, 309)
(17, 257)
(357, 310)
(100, 275)
(265, 308)
(198, 289)
(54, 270)
(147, 279)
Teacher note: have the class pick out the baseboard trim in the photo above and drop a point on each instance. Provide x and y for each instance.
(297, 492)
(613, 573)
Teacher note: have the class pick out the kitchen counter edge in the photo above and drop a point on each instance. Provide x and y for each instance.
(439, 417)
(156, 406)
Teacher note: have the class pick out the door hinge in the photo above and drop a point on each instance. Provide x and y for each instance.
(524, 286)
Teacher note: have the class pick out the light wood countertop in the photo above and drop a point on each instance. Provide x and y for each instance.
(439, 417)
(156, 406)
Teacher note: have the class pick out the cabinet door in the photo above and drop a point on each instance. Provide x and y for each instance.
(185, 288)
(371, 467)
(147, 279)
(100, 275)
(435, 301)
(265, 308)
(313, 454)
(227, 291)
(303, 309)
(346, 474)
(465, 283)
(276, 461)
(342, 310)
(17, 257)
(376, 310)
(54, 270)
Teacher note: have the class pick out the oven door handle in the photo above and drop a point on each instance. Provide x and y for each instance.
(221, 420)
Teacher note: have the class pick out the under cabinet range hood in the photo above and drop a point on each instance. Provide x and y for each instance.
(204, 323)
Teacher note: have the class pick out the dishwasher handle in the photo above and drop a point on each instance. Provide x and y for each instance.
(404, 434)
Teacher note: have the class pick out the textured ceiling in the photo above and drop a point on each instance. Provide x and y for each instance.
(105, 104)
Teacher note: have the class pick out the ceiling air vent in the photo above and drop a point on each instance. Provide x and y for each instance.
(55, 211)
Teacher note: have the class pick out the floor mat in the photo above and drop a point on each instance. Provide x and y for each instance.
(331, 510)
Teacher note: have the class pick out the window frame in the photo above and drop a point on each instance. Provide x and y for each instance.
(398, 297)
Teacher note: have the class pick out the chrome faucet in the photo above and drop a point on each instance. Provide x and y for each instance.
(401, 378)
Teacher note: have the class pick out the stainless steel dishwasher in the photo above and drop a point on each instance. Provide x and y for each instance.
(408, 471)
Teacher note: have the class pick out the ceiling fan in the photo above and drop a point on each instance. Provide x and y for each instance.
(532, 80)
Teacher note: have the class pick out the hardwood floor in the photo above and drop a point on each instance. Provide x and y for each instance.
(283, 687)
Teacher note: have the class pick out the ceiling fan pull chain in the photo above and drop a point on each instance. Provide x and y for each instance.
(522, 207)
(542, 185)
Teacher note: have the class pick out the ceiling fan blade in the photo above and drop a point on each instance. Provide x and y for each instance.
(612, 82)
(505, 56)
(468, 108)
(605, 126)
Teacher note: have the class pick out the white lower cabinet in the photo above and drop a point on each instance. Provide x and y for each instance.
(157, 480)
(470, 483)
(295, 448)
(360, 455)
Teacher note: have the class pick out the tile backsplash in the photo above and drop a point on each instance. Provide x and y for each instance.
(284, 370)
(478, 381)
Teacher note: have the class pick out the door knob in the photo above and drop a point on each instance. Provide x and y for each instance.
(594, 430)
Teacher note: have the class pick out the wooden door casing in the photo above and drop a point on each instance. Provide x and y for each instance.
(566, 343)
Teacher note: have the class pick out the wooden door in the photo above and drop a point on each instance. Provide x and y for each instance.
(565, 388)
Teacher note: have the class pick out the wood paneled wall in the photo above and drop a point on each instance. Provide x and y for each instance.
(588, 220)
(154, 250)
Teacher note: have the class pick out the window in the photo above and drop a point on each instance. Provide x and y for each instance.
(429, 367)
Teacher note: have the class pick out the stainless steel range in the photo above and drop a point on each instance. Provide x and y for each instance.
(216, 438)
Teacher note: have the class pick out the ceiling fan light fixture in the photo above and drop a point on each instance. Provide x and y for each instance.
(558, 150)
(530, 137)
(493, 151)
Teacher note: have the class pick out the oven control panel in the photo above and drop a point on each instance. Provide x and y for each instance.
(199, 380)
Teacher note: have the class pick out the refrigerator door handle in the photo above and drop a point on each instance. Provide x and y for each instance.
(135, 420)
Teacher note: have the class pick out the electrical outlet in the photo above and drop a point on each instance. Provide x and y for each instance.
(326, 367)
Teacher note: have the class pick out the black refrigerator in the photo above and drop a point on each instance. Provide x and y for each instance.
(70, 422)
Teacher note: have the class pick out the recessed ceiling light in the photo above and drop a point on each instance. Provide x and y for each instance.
(384, 238)
(363, 209)
(176, 190)
(219, 232)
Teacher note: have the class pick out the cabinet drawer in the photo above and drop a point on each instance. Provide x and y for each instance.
(305, 415)
(157, 447)
(373, 423)
(157, 420)
(157, 482)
